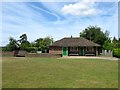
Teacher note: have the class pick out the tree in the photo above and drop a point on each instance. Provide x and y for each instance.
(23, 38)
(43, 43)
(39, 43)
(95, 34)
(24, 43)
(48, 41)
(116, 43)
(12, 44)
(108, 45)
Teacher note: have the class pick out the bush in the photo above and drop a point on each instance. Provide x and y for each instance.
(31, 49)
(116, 52)
(6, 49)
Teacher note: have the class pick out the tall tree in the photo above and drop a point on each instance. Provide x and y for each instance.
(24, 42)
(95, 34)
(23, 38)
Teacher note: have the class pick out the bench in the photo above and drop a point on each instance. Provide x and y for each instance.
(90, 54)
(73, 54)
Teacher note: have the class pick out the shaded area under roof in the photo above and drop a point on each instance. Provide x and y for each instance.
(71, 41)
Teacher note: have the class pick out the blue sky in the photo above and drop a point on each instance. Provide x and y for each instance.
(56, 19)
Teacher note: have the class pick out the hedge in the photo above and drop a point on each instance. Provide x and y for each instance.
(31, 49)
(116, 52)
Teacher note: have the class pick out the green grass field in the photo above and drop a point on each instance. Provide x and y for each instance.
(59, 73)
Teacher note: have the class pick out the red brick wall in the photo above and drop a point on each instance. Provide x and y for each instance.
(7, 53)
(55, 50)
(44, 55)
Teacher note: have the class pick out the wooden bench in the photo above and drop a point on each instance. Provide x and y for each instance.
(89, 54)
(72, 54)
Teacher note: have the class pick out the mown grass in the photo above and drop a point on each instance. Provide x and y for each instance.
(59, 73)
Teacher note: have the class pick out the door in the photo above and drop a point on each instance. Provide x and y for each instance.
(81, 51)
(65, 51)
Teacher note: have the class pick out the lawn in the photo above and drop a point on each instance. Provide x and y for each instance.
(59, 73)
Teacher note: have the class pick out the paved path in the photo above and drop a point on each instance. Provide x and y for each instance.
(92, 57)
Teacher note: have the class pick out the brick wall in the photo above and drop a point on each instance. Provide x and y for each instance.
(44, 55)
(6, 54)
(55, 52)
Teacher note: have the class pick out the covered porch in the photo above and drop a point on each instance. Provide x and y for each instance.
(80, 51)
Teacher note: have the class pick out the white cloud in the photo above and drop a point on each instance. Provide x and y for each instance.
(82, 8)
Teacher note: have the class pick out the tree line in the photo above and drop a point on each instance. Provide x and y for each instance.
(93, 33)
(40, 44)
(97, 35)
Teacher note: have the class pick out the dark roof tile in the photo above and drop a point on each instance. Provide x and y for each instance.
(71, 41)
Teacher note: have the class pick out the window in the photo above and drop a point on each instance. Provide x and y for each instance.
(73, 48)
(89, 49)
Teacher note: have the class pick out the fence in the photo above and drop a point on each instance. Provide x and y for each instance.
(107, 52)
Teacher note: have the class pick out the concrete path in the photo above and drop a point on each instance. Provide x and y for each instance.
(91, 57)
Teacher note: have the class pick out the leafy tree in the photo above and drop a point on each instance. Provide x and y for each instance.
(95, 34)
(116, 43)
(25, 45)
(116, 52)
(39, 43)
(108, 45)
(23, 41)
(48, 41)
(12, 44)
(43, 43)
(23, 38)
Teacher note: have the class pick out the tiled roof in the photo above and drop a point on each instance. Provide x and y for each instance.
(71, 41)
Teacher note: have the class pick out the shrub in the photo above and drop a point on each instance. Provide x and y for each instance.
(31, 49)
(6, 49)
(116, 52)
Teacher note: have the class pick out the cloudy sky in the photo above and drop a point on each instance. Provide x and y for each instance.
(56, 19)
